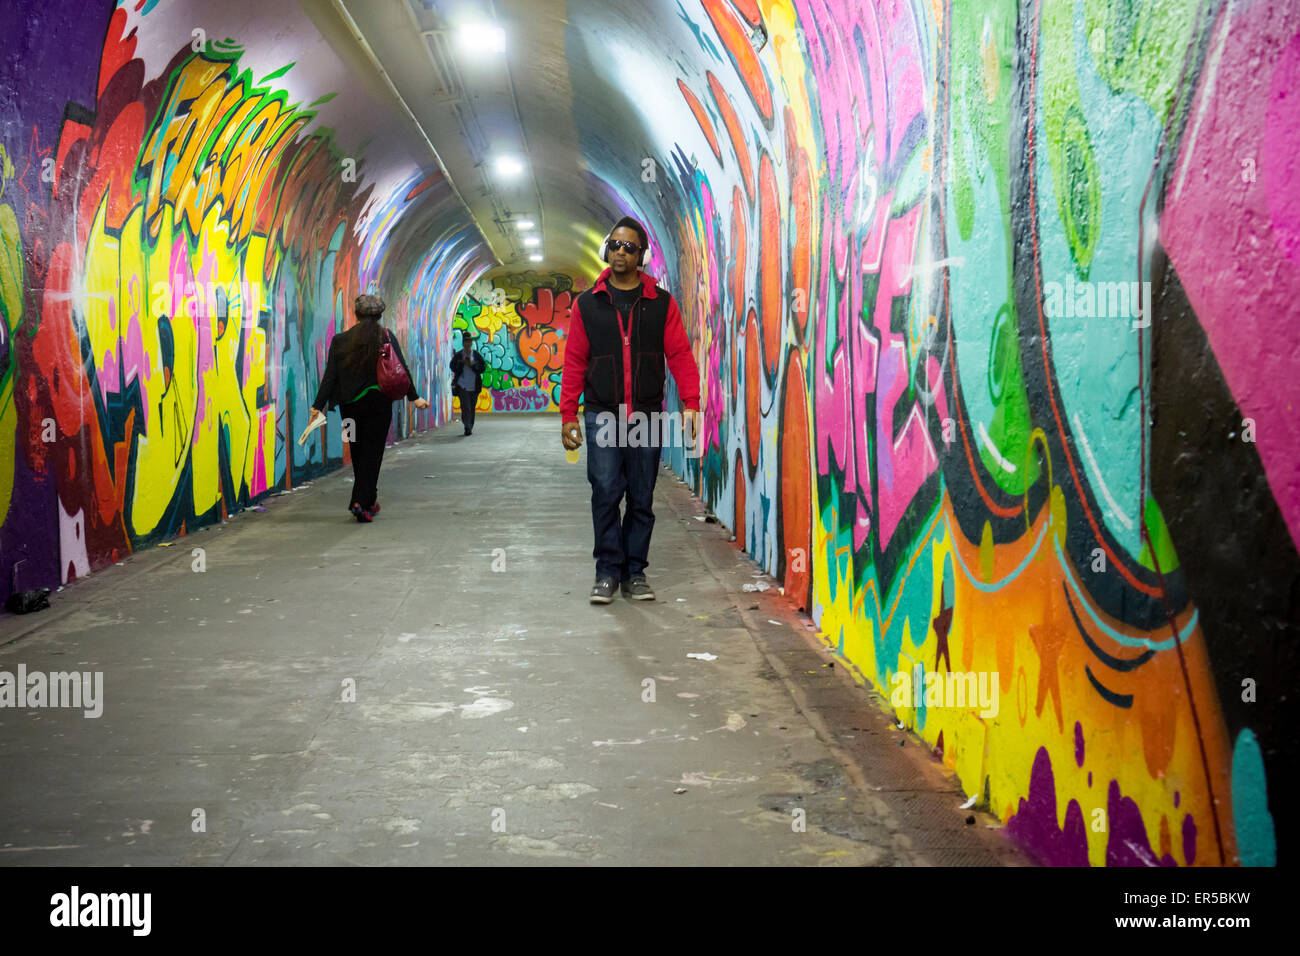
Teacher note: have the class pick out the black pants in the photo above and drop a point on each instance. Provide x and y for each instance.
(372, 416)
(468, 400)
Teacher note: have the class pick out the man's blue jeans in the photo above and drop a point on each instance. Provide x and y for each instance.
(622, 547)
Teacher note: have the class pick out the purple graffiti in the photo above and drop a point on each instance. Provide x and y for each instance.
(1034, 824)
(520, 400)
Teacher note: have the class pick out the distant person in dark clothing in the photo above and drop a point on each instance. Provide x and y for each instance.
(467, 368)
(351, 381)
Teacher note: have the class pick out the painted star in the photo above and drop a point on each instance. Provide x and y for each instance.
(942, 623)
(1048, 639)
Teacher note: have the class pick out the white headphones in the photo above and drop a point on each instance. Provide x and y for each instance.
(604, 252)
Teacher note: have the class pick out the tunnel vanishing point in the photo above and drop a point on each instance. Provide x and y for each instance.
(994, 304)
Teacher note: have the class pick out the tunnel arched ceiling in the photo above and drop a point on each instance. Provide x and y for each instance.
(575, 95)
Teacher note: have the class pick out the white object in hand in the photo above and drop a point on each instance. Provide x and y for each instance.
(312, 426)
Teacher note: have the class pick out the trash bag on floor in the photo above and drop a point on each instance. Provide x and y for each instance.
(24, 602)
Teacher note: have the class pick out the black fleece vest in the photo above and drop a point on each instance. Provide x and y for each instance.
(604, 385)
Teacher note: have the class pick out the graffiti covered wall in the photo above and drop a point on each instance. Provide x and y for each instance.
(184, 223)
(518, 322)
(961, 278)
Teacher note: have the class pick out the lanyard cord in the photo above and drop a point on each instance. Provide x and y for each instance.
(625, 332)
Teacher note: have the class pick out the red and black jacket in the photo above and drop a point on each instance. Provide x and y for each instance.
(602, 345)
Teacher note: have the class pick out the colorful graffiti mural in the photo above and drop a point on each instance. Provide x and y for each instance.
(950, 475)
(176, 256)
(518, 323)
(888, 226)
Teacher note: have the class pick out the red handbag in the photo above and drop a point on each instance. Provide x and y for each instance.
(394, 382)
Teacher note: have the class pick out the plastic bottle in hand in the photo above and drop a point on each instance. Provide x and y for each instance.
(571, 455)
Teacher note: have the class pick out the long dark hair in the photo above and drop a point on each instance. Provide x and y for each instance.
(369, 336)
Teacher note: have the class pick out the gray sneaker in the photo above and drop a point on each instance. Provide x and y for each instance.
(602, 592)
(636, 588)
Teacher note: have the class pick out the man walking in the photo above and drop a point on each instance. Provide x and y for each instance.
(467, 370)
(621, 333)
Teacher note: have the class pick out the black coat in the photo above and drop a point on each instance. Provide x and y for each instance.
(477, 363)
(343, 383)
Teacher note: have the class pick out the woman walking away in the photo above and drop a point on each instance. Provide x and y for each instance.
(351, 381)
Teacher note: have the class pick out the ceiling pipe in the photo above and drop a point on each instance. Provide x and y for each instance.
(351, 24)
(523, 133)
(437, 46)
(453, 83)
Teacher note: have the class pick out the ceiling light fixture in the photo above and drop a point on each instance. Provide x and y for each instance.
(482, 37)
(525, 224)
(532, 241)
(535, 257)
(509, 166)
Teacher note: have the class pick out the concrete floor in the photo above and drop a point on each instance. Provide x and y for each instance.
(498, 717)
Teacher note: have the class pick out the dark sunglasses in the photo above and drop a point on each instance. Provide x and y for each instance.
(628, 247)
